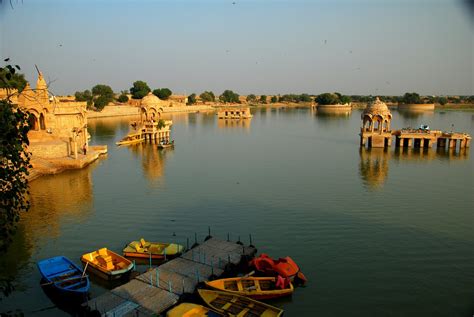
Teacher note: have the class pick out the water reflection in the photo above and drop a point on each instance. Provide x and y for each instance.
(415, 113)
(374, 162)
(105, 129)
(152, 159)
(232, 123)
(54, 200)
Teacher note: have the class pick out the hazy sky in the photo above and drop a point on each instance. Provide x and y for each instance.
(252, 46)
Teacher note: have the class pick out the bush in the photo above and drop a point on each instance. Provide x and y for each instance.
(139, 90)
(411, 98)
(122, 98)
(191, 99)
(163, 93)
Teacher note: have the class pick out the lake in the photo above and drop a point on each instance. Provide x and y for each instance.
(376, 232)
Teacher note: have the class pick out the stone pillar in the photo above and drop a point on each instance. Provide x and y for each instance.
(441, 143)
(463, 144)
(452, 143)
(468, 142)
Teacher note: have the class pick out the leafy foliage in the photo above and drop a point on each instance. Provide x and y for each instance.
(295, 98)
(411, 98)
(139, 90)
(263, 99)
(251, 98)
(332, 99)
(192, 99)
(161, 124)
(274, 99)
(122, 98)
(9, 78)
(85, 95)
(162, 93)
(15, 160)
(208, 96)
(102, 95)
(229, 96)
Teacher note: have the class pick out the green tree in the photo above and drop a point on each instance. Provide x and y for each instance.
(327, 99)
(123, 98)
(251, 98)
(229, 96)
(9, 78)
(139, 90)
(15, 160)
(162, 93)
(274, 99)
(411, 98)
(344, 99)
(304, 98)
(442, 100)
(102, 95)
(85, 95)
(161, 124)
(192, 99)
(208, 96)
(263, 99)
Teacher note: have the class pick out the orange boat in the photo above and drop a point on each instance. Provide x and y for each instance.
(107, 264)
(284, 267)
(253, 287)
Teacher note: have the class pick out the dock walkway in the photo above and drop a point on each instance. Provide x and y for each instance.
(160, 288)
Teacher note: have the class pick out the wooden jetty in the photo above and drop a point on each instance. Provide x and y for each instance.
(155, 291)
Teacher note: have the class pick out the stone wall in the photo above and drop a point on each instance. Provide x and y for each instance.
(114, 111)
(423, 106)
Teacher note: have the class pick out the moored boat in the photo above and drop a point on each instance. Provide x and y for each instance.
(192, 310)
(107, 264)
(131, 138)
(162, 145)
(157, 250)
(236, 305)
(284, 267)
(65, 276)
(253, 287)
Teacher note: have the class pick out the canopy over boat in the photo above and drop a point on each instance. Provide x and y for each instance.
(107, 264)
(239, 306)
(143, 249)
(64, 275)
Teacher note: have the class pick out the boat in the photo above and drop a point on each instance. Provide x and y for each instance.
(192, 310)
(166, 145)
(253, 287)
(63, 275)
(157, 250)
(236, 305)
(131, 138)
(107, 264)
(285, 267)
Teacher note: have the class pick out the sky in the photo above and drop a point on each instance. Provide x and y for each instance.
(377, 47)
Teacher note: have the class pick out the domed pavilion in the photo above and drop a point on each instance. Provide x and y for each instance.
(376, 119)
(151, 107)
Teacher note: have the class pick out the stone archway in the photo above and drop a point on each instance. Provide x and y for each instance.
(41, 122)
(33, 122)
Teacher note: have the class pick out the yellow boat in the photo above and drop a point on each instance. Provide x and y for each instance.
(236, 305)
(143, 249)
(253, 287)
(131, 138)
(107, 264)
(192, 310)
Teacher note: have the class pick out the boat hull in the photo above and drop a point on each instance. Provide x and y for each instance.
(253, 287)
(107, 264)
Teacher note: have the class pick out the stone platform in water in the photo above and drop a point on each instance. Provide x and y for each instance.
(143, 296)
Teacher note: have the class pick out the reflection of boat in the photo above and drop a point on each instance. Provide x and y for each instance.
(155, 250)
(192, 310)
(253, 287)
(284, 267)
(235, 305)
(64, 276)
(107, 264)
(162, 145)
(131, 138)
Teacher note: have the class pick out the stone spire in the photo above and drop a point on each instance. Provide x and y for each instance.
(42, 89)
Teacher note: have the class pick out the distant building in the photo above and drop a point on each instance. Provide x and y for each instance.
(234, 113)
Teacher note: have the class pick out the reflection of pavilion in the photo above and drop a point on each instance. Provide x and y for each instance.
(373, 166)
(153, 160)
(226, 123)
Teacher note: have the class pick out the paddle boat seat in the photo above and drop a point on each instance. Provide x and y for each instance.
(106, 261)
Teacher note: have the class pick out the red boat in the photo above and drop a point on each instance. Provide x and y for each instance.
(285, 267)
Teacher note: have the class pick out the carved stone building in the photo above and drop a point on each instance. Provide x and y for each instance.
(376, 119)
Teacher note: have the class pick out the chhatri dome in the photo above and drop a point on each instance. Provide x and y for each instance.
(150, 100)
(375, 108)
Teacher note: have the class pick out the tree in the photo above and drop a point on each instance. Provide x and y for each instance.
(251, 98)
(9, 78)
(411, 98)
(327, 99)
(207, 96)
(161, 124)
(15, 160)
(163, 93)
(442, 100)
(192, 99)
(139, 90)
(102, 95)
(229, 96)
(344, 99)
(85, 95)
(304, 98)
(274, 99)
(123, 98)
(263, 99)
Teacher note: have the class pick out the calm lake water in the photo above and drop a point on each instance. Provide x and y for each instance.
(377, 233)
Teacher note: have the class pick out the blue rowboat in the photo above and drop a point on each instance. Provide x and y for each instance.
(60, 273)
